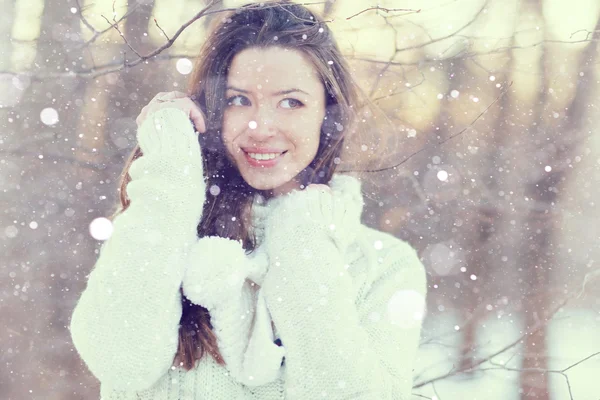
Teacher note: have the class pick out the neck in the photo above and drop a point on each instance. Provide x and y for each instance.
(283, 189)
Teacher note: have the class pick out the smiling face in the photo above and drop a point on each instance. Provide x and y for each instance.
(272, 121)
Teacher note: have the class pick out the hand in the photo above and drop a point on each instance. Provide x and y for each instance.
(217, 269)
(319, 186)
(335, 212)
(174, 100)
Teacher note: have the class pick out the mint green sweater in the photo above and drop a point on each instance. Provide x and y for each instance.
(345, 300)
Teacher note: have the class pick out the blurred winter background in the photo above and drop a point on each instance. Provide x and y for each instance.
(494, 129)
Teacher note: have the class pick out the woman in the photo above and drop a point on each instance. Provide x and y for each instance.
(238, 267)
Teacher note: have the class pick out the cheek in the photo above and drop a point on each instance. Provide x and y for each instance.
(309, 128)
(306, 135)
(232, 126)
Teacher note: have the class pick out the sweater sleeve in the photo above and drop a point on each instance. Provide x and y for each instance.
(336, 346)
(126, 322)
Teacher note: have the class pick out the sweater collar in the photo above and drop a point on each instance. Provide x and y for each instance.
(346, 186)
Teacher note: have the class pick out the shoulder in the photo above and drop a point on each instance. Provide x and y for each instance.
(393, 260)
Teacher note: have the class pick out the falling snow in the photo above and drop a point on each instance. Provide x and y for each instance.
(500, 204)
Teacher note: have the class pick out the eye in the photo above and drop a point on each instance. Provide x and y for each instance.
(291, 103)
(238, 100)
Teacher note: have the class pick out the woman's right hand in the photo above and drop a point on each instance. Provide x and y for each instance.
(175, 100)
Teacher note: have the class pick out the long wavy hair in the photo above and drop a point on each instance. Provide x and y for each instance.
(274, 23)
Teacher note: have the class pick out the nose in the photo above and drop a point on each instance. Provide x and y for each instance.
(263, 125)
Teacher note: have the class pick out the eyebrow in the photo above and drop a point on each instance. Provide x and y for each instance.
(279, 93)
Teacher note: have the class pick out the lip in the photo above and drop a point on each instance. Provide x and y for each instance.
(261, 150)
(263, 163)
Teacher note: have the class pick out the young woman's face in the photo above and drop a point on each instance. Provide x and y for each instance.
(272, 121)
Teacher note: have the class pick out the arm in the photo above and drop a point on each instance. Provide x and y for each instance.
(362, 350)
(216, 279)
(126, 322)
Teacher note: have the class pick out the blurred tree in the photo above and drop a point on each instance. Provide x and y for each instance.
(488, 100)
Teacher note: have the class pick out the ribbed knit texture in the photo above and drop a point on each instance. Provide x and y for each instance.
(330, 284)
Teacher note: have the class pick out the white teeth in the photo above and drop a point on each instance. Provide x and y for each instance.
(263, 156)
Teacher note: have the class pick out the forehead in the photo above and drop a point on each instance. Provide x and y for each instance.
(273, 67)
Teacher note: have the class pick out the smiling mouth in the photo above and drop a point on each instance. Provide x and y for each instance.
(264, 156)
(263, 160)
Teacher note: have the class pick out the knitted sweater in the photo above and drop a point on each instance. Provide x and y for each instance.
(345, 300)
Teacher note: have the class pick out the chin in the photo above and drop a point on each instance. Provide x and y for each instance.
(267, 183)
(262, 185)
(279, 184)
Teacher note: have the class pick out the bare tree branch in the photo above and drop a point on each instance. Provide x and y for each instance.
(116, 26)
(442, 141)
(561, 372)
(406, 10)
(161, 29)
(83, 19)
(589, 33)
(114, 66)
(489, 358)
(98, 33)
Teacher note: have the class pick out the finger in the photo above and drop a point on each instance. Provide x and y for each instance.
(198, 120)
(187, 106)
(196, 115)
(173, 95)
(157, 96)
(165, 96)
(179, 94)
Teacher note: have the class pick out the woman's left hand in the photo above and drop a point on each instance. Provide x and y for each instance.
(318, 208)
(319, 186)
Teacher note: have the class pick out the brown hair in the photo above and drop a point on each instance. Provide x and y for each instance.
(275, 23)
